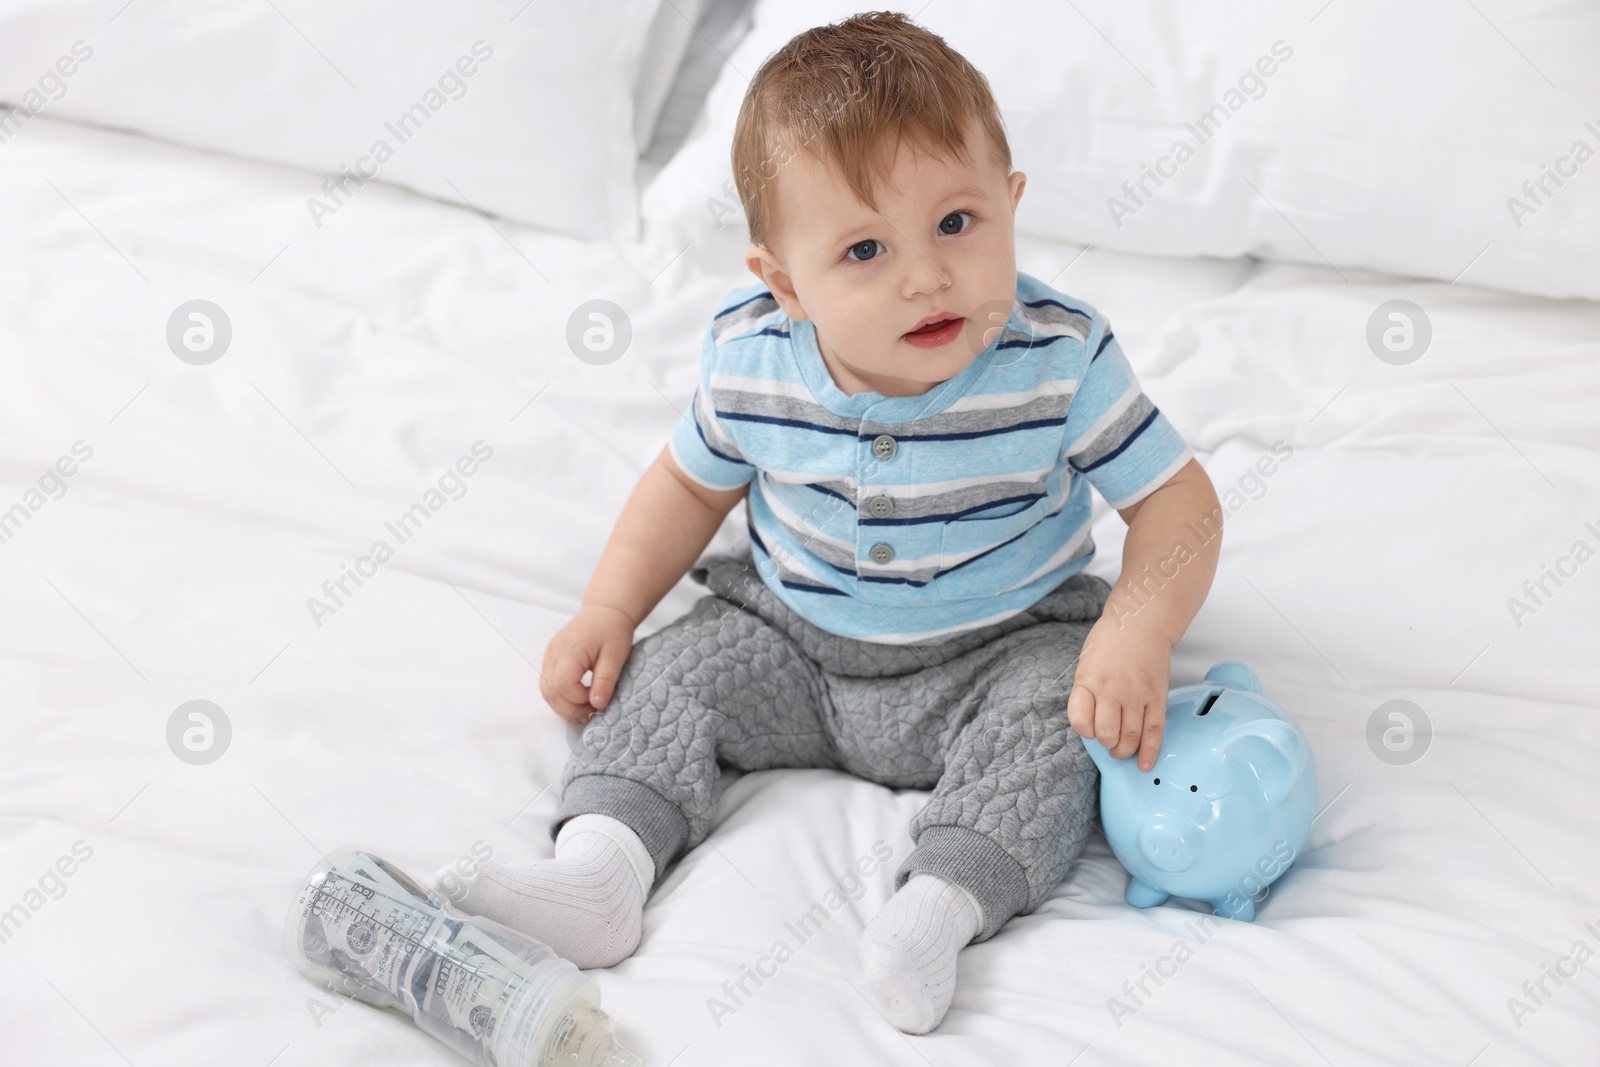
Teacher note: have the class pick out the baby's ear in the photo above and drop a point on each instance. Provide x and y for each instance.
(1017, 181)
(764, 265)
(760, 261)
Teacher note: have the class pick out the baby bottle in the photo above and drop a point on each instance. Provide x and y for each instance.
(493, 994)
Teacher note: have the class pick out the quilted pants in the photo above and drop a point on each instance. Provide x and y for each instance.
(978, 717)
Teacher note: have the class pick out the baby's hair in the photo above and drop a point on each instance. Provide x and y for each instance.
(848, 93)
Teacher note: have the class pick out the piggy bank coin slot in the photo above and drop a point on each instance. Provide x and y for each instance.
(1210, 700)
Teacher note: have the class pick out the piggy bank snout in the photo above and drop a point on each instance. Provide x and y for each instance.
(1169, 845)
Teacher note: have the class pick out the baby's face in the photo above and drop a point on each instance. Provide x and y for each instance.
(906, 296)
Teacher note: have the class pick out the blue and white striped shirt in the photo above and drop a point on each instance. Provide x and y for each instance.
(909, 518)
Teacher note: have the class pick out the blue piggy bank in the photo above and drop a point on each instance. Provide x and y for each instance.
(1227, 806)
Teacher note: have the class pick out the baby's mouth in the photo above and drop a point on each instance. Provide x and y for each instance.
(935, 334)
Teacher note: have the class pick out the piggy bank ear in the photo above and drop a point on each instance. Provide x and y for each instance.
(1267, 752)
(1235, 674)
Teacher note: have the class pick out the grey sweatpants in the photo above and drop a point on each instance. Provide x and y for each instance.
(979, 717)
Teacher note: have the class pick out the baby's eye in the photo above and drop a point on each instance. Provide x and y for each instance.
(862, 251)
(954, 223)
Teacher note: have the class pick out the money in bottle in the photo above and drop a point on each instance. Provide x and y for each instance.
(493, 994)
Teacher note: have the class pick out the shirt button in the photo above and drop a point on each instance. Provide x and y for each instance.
(881, 553)
(881, 507)
(883, 446)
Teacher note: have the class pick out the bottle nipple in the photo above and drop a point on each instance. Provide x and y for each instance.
(585, 1038)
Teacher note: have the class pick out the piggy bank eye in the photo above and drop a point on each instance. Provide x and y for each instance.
(1158, 781)
(1194, 788)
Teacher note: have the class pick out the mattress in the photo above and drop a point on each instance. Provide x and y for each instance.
(189, 556)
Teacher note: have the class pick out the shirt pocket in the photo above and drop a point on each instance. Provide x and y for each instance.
(984, 553)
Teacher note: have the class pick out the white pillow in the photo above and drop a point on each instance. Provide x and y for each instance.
(1387, 136)
(527, 114)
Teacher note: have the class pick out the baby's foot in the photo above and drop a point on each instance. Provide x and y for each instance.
(587, 903)
(908, 950)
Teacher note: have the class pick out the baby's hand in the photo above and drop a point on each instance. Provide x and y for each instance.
(599, 639)
(1119, 696)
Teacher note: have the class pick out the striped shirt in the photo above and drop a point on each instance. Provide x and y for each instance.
(909, 518)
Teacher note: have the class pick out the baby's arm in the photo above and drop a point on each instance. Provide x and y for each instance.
(665, 525)
(1119, 695)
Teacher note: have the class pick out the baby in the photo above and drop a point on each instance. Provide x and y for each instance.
(914, 427)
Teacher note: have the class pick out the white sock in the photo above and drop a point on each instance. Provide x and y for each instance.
(587, 903)
(908, 950)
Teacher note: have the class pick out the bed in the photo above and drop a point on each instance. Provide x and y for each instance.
(1416, 581)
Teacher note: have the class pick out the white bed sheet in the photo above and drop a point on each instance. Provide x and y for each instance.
(368, 356)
